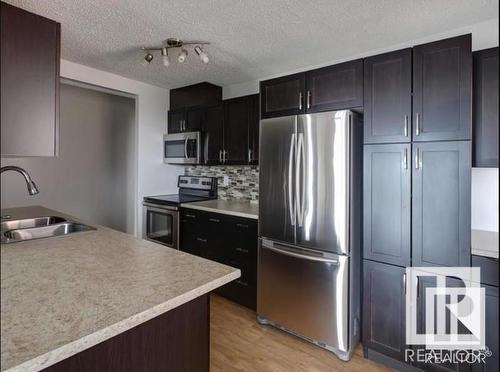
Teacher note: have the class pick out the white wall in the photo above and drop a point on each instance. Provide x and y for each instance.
(484, 207)
(153, 176)
(484, 35)
(94, 175)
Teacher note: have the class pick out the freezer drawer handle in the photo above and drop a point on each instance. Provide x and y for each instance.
(299, 255)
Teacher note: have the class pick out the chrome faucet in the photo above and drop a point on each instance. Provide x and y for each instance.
(32, 189)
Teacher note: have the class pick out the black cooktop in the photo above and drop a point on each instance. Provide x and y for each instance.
(174, 199)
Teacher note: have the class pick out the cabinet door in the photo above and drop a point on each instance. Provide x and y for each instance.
(387, 97)
(387, 201)
(441, 204)
(384, 308)
(442, 90)
(253, 130)
(29, 83)
(335, 87)
(236, 118)
(491, 321)
(213, 132)
(176, 120)
(485, 108)
(282, 96)
(423, 284)
(194, 120)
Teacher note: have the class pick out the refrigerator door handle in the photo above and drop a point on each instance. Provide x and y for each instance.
(300, 188)
(299, 255)
(291, 201)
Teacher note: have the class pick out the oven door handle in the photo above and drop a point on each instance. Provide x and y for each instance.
(160, 209)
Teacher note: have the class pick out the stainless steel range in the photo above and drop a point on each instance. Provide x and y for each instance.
(310, 227)
(161, 212)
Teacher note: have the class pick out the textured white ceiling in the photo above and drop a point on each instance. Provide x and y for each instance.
(250, 39)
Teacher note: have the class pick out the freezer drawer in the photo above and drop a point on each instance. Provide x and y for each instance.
(305, 292)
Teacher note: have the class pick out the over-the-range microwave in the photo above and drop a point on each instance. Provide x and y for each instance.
(182, 148)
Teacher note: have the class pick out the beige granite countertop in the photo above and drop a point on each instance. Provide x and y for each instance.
(233, 207)
(484, 243)
(64, 294)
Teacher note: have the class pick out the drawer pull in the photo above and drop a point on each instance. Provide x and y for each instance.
(201, 240)
(190, 215)
(243, 250)
(241, 282)
(242, 225)
(214, 220)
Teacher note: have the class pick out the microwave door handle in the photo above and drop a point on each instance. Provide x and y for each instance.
(186, 147)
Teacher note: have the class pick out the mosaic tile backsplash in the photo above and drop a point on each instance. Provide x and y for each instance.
(243, 180)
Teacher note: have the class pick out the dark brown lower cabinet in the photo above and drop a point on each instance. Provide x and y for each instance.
(384, 309)
(177, 340)
(226, 239)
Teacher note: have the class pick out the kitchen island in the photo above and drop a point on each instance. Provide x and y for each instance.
(103, 300)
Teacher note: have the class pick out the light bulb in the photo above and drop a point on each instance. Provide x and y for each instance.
(164, 57)
(201, 53)
(182, 56)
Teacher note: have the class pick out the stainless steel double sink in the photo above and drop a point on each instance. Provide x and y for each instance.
(38, 227)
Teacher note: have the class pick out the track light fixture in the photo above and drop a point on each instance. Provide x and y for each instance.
(179, 44)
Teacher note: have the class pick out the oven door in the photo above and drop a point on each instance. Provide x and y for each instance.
(161, 225)
(182, 148)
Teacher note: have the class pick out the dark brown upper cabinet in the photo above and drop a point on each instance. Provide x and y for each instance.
(231, 132)
(201, 94)
(442, 90)
(485, 108)
(241, 130)
(213, 135)
(236, 130)
(30, 56)
(188, 120)
(282, 96)
(387, 97)
(329, 88)
(335, 87)
(253, 129)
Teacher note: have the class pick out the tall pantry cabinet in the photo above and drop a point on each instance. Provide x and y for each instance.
(417, 165)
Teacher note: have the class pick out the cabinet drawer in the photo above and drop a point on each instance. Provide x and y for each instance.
(489, 269)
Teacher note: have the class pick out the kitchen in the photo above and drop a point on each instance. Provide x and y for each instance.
(262, 204)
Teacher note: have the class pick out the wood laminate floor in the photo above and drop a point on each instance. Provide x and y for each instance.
(239, 343)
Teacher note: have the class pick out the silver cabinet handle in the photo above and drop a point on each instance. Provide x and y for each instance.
(406, 126)
(300, 100)
(405, 159)
(417, 288)
(416, 158)
(417, 124)
(249, 155)
(404, 282)
(241, 250)
(242, 225)
(190, 215)
(224, 158)
(186, 148)
(201, 240)
(308, 99)
(220, 156)
(214, 220)
(291, 201)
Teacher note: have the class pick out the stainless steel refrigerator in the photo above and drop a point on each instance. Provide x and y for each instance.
(309, 262)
